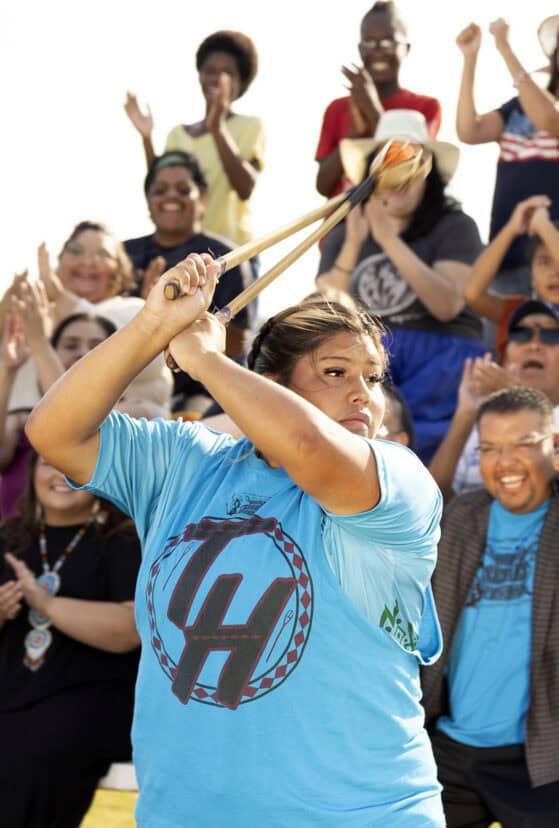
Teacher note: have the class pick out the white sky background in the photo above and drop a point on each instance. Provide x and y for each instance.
(70, 153)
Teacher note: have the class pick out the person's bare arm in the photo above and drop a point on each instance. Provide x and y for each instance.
(490, 305)
(107, 625)
(356, 231)
(64, 426)
(143, 123)
(472, 128)
(14, 353)
(242, 174)
(336, 468)
(541, 107)
(540, 224)
(330, 171)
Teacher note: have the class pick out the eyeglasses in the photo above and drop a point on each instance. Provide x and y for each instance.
(547, 336)
(521, 447)
(100, 255)
(386, 44)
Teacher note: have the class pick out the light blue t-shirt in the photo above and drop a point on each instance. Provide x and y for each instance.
(489, 666)
(265, 696)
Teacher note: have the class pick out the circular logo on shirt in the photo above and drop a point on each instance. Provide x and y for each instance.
(230, 605)
(380, 286)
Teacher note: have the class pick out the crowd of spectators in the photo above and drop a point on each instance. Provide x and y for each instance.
(472, 387)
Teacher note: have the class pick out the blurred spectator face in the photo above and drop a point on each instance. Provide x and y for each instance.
(545, 275)
(516, 458)
(382, 48)
(88, 266)
(535, 362)
(58, 500)
(392, 427)
(77, 339)
(220, 70)
(404, 202)
(174, 200)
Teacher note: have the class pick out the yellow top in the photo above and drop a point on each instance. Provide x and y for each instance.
(226, 214)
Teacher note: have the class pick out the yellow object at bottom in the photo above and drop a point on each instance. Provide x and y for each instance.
(111, 809)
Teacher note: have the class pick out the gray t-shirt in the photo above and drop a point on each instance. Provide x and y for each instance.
(378, 284)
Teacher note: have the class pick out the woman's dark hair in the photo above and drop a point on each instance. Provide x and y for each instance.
(403, 412)
(176, 158)
(102, 321)
(19, 533)
(553, 84)
(301, 329)
(236, 44)
(434, 205)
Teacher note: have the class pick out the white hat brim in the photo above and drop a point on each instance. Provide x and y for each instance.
(354, 153)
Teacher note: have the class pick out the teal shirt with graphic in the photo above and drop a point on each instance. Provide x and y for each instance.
(279, 675)
(488, 671)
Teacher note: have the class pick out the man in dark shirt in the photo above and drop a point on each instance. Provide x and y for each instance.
(175, 189)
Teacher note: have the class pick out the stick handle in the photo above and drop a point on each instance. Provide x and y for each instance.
(252, 248)
(359, 194)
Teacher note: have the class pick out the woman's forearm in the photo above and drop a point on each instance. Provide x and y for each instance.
(539, 105)
(339, 275)
(466, 114)
(149, 151)
(241, 174)
(106, 625)
(74, 408)
(443, 298)
(484, 270)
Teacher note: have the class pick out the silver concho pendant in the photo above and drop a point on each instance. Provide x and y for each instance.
(50, 582)
(36, 644)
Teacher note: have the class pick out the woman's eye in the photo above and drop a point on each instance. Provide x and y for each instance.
(334, 372)
(373, 379)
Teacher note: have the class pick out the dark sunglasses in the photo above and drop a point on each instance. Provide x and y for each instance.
(548, 336)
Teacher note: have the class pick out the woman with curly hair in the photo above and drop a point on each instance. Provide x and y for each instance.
(229, 147)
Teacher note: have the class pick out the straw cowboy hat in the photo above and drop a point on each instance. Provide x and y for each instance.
(404, 124)
(547, 34)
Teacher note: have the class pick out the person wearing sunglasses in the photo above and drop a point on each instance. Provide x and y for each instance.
(531, 359)
(491, 701)
(374, 87)
(530, 217)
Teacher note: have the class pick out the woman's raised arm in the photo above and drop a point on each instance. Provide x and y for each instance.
(64, 426)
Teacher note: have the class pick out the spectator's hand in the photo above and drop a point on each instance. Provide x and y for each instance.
(37, 598)
(469, 395)
(10, 600)
(356, 227)
(219, 103)
(363, 93)
(469, 39)
(142, 121)
(359, 126)
(34, 311)
(521, 216)
(500, 31)
(379, 222)
(15, 350)
(151, 274)
(539, 220)
(491, 377)
(51, 282)
(6, 305)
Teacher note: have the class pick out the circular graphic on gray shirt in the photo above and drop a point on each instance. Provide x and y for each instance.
(379, 285)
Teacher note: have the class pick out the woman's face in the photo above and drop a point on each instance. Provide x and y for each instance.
(404, 202)
(343, 378)
(88, 266)
(174, 200)
(77, 339)
(220, 68)
(61, 504)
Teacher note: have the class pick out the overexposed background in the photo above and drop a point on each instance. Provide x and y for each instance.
(70, 153)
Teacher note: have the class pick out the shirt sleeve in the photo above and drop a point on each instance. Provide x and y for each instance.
(406, 519)
(456, 238)
(136, 457)
(178, 139)
(257, 152)
(334, 128)
(433, 116)
(508, 108)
